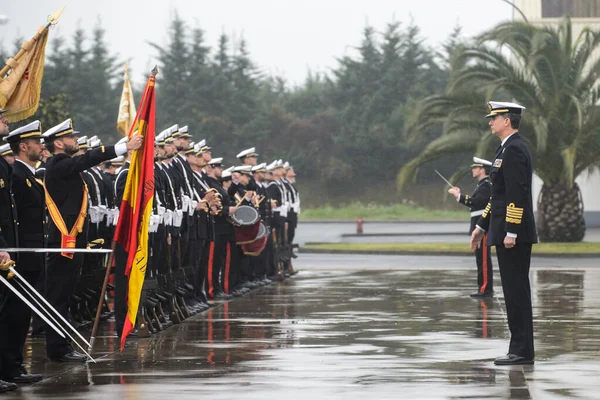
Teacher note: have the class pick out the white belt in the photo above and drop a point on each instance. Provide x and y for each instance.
(477, 213)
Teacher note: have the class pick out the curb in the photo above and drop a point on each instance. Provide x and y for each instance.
(304, 250)
(384, 221)
(400, 234)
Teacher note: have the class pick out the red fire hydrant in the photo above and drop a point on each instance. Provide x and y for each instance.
(359, 225)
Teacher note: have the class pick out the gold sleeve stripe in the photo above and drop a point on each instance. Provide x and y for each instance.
(487, 210)
(516, 221)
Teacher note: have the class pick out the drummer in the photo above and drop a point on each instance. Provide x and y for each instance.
(219, 263)
(242, 277)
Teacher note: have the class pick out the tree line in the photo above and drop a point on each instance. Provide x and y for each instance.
(346, 123)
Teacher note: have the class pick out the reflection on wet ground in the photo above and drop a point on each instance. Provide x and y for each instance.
(350, 334)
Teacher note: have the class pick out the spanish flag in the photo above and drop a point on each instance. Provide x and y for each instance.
(134, 219)
(126, 116)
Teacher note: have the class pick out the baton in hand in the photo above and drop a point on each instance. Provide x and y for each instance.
(442, 176)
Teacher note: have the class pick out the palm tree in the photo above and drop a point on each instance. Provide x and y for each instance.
(556, 77)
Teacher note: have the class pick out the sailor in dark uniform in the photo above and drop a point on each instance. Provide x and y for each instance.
(477, 202)
(7, 154)
(28, 193)
(220, 249)
(509, 221)
(249, 157)
(66, 199)
(8, 239)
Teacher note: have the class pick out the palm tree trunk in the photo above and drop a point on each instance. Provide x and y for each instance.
(560, 214)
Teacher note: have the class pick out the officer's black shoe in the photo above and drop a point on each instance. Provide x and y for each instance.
(25, 378)
(512, 359)
(70, 357)
(482, 294)
(223, 296)
(7, 386)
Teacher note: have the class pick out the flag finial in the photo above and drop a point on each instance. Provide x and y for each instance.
(155, 70)
(53, 19)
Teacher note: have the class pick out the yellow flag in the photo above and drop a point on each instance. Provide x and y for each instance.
(20, 89)
(126, 106)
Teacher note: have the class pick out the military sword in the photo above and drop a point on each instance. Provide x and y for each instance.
(442, 176)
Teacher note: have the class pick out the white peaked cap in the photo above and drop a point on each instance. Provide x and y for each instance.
(5, 148)
(31, 130)
(244, 169)
(478, 160)
(259, 166)
(64, 128)
(216, 161)
(247, 152)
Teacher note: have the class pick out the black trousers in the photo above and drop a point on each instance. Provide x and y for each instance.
(485, 269)
(219, 259)
(61, 276)
(15, 317)
(514, 270)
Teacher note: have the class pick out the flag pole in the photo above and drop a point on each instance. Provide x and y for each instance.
(52, 20)
(102, 294)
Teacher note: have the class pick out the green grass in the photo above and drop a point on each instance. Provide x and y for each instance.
(381, 212)
(459, 248)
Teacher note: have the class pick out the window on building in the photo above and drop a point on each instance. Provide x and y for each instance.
(575, 8)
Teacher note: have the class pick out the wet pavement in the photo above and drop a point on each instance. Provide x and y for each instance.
(395, 232)
(351, 327)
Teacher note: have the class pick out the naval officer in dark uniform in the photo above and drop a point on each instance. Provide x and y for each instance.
(477, 202)
(8, 238)
(28, 193)
(509, 221)
(66, 200)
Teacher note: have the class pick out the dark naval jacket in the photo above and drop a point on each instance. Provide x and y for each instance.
(477, 200)
(8, 211)
(64, 183)
(511, 206)
(28, 193)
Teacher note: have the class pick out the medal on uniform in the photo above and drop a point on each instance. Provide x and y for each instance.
(497, 163)
(1, 183)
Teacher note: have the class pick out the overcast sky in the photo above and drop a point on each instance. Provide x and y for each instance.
(285, 37)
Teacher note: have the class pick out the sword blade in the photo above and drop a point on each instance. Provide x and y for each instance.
(442, 176)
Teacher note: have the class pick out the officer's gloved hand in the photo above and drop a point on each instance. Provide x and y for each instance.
(5, 263)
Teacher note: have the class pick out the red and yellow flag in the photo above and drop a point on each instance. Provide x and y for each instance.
(134, 218)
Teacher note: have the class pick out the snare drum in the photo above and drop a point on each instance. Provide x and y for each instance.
(245, 215)
(256, 247)
(247, 225)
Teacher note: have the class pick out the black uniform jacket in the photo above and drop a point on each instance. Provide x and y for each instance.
(29, 195)
(65, 185)
(477, 200)
(511, 206)
(222, 225)
(8, 211)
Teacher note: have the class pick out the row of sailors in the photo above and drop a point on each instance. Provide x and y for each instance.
(195, 255)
